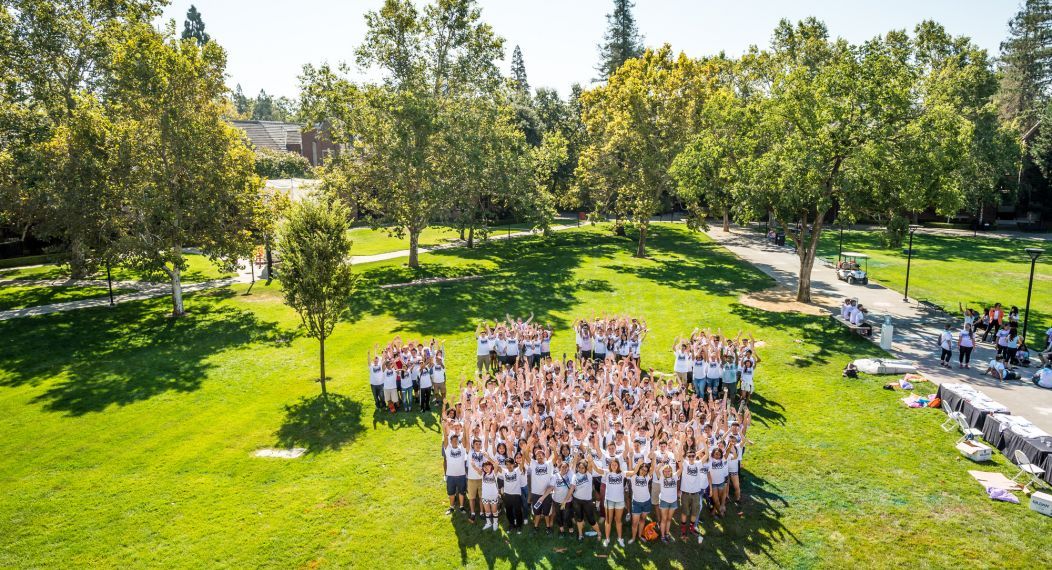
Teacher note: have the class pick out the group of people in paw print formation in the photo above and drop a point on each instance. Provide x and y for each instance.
(594, 445)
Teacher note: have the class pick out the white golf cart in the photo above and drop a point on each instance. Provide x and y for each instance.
(849, 269)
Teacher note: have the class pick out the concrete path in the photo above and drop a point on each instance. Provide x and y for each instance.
(147, 290)
(916, 329)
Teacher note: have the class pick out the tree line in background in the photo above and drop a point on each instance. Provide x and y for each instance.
(811, 130)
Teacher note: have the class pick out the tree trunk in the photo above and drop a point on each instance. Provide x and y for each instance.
(641, 247)
(177, 284)
(270, 260)
(471, 237)
(78, 258)
(414, 246)
(321, 352)
(461, 234)
(726, 220)
(803, 288)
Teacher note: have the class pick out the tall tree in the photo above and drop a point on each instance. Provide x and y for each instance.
(242, 105)
(193, 181)
(518, 71)
(712, 165)
(429, 59)
(263, 109)
(316, 277)
(1026, 61)
(194, 26)
(53, 59)
(621, 41)
(637, 124)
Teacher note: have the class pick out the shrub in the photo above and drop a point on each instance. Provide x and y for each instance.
(280, 164)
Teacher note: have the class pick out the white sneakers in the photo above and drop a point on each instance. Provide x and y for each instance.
(621, 542)
(700, 538)
(485, 526)
(606, 542)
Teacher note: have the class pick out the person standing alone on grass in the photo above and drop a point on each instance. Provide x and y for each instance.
(945, 342)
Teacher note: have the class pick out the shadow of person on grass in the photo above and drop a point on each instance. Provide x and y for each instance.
(320, 423)
(125, 354)
(423, 421)
(754, 538)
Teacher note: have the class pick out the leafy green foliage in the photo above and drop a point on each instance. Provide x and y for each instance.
(621, 42)
(272, 163)
(316, 273)
(194, 26)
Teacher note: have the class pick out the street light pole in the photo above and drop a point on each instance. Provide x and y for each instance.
(1034, 253)
(109, 284)
(840, 253)
(909, 261)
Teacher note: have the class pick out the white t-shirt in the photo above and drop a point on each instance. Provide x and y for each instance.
(511, 347)
(640, 488)
(582, 486)
(540, 476)
(456, 462)
(719, 470)
(1044, 377)
(683, 362)
(695, 477)
(669, 492)
(438, 374)
(584, 342)
(476, 458)
(562, 486)
(945, 339)
(489, 486)
(390, 379)
(513, 480)
(615, 486)
(376, 375)
(484, 345)
(425, 378)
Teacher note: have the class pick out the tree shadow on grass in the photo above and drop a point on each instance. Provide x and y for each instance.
(766, 411)
(824, 337)
(423, 421)
(751, 540)
(129, 353)
(678, 259)
(533, 274)
(320, 423)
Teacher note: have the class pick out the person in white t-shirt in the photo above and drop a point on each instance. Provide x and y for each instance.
(390, 385)
(668, 497)
(614, 498)
(490, 495)
(1043, 377)
(376, 379)
(583, 507)
(483, 345)
(455, 459)
(945, 345)
(683, 360)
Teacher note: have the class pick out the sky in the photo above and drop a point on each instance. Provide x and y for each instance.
(269, 41)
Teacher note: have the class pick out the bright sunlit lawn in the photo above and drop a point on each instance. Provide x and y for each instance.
(368, 241)
(18, 297)
(128, 436)
(199, 268)
(973, 271)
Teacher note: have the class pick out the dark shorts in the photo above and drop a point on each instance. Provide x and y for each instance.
(456, 485)
(546, 505)
(641, 507)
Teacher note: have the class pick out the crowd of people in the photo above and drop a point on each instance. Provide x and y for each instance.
(593, 444)
(1001, 328)
(407, 373)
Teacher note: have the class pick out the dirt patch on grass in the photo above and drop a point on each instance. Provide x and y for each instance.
(783, 300)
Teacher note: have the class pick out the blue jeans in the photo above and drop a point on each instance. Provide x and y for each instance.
(699, 385)
(714, 385)
(407, 398)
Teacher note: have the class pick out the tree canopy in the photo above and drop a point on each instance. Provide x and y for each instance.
(622, 40)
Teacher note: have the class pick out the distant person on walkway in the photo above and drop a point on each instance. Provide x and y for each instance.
(945, 342)
(965, 345)
(994, 318)
(1011, 345)
(1043, 377)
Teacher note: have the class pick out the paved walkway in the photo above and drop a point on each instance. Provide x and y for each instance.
(147, 290)
(916, 330)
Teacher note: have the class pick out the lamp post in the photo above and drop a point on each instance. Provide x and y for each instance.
(909, 261)
(1034, 253)
(840, 253)
(109, 284)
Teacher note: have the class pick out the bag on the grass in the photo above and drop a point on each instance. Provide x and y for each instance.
(935, 403)
(650, 533)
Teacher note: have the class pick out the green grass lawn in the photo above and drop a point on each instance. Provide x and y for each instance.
(368, 241)
(132, 444)
(199, 268)
(948, 270)
(18, 297)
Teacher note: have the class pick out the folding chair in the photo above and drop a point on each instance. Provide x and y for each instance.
(1032, 471)
(950, 420)
(967, 431)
